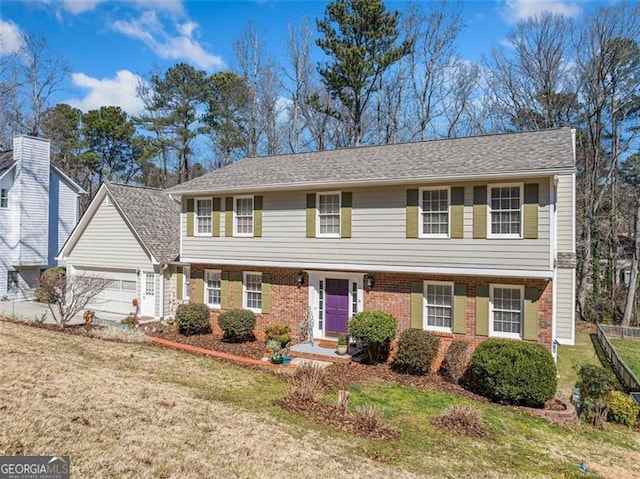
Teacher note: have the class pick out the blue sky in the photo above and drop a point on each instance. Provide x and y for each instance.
(108, 44)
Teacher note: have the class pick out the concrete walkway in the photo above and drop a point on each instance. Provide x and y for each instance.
(32, 310)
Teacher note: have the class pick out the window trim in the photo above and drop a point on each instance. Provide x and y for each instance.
(491, 187)
(206, 288)
(245, 291)
(235, 216)
(186, 282)
(425, 316)
(6, 190)
(331, 235)
(196, 217)
(500, 334)
(421, 233)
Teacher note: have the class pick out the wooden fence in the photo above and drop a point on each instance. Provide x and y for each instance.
(625, 375)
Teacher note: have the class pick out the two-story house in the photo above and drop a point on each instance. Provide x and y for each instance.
(39, 206)
(470, 237)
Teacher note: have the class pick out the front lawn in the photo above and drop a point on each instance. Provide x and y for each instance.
(629, 351)
(123, 410)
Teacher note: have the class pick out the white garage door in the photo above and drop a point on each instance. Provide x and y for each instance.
(117, 297)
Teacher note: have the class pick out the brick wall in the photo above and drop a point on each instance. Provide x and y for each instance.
(391, 293)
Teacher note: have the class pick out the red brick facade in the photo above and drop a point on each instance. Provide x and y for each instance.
(391, 293)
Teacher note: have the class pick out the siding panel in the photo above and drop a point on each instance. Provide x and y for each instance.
(565, 215)
(565, 305)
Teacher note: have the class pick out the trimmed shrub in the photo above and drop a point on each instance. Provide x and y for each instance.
(193, 318)
(595, 384)
(457, 362)
(376, 330)
(50, 276)
(417, 349)
(237, 324)
(622, 408)
(514, 372)
(279, 333)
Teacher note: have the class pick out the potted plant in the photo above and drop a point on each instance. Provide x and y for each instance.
(342, 345)
(286, 358)
(277, 357)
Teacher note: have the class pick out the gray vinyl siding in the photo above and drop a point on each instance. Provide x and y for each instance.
(170, 291)
(566, 214)
(108, 242)
(63, 214)
(378, 236)
(565, 305)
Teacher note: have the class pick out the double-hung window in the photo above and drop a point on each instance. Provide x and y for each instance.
(253, 291)
(203, 216)
(213, 287)
(434, 211)
(506, 310)
(505, 205)
(328, 215)
(243, 215)
(438, 299)
(4, 198)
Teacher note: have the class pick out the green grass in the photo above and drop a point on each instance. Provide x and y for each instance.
(629, 351)
(571, 357)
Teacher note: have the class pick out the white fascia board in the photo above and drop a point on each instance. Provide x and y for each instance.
(63, 176)
(8, 170)
(378, 182)
(504, 273)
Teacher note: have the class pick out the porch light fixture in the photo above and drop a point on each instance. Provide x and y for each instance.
(300, 278)
(369, 281)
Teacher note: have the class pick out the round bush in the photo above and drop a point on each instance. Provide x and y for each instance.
(375, 329)
(457, 362)
(49, 280)
(622, 408)
(193, 318)
(280, 333)
(514, 372)
(237, 324)
(417, 350)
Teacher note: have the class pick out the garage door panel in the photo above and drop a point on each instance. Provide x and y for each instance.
(117, 297)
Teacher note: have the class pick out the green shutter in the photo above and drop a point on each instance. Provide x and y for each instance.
(224, 290)
(228, 216)
(412, 213)
(460, 308)
(417, 305)
(266, 293)
(215, 217)
(191, 216)
(179, 283)
(480, 208)
(257, 216)
(482, 310)
(311, 215)
(457, 212)
(236, 281)
(530, 211)
(199, 297)
(345, 215)
(531, 296)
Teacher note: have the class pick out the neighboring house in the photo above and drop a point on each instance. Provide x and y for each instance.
(39, 207)
(128, 234)
(468, 238)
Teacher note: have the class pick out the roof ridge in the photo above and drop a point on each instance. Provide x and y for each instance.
(132, 186)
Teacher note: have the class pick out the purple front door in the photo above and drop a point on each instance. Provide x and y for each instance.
(337, 307)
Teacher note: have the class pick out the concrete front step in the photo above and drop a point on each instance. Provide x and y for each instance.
(317, 352)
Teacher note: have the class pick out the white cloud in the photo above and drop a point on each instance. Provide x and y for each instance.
(516, 10)
(119, 91)
(182, 45)
(11, 38)
(76, 7)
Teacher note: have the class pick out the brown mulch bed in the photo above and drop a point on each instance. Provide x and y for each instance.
(335, 416)
(251, 349)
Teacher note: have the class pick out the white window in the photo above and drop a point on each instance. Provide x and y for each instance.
(506, 310)
(505, 203)
(213, 287)
(434, 210)
(438, 300)
(203, 216)
(243, 215)
(4, 198)
(128, 285)
(253, 291)
(186, 290)
(321, 305)
(329, 215)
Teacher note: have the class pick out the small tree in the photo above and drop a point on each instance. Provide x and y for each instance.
(67, 296)
(376, 329)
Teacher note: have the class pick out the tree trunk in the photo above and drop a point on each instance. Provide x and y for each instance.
(633, 280)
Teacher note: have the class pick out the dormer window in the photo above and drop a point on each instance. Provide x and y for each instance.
(4, 198)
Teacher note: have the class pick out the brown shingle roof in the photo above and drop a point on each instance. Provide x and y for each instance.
(513, 153)
(154, 216)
